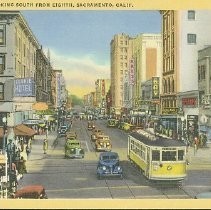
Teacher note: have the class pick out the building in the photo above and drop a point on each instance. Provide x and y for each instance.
(43, 78)
(101, 88)
(204, 82)
(119, 54)
(18, 47)
(184, 33)
(60, 86)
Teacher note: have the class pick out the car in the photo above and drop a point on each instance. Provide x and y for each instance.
(91, 125)
(103, 143)
(71, 135)
(31, 192)
(109, 165)
(203, 195)
(62, 130)
(73, 149)
(95, 134)
(112, 123)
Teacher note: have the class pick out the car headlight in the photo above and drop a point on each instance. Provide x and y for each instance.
(104, 168)
(107, 143)
(119, 168)
(101, 143)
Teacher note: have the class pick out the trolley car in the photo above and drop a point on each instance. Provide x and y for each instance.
(158, 158)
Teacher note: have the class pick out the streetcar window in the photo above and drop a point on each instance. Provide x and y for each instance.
(169, 156)
(180, 154)
(155, 155)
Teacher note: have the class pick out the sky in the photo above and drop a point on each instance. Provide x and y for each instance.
(79, 41)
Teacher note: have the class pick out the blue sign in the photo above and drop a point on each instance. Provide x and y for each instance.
(24, 87)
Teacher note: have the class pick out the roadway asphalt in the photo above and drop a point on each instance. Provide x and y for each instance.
(195, 159)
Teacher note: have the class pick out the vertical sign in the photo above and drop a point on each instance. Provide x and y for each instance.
(155, 88)
(132, 71)
(103, 87)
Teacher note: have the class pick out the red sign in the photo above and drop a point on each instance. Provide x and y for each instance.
(103, 87)
(132, 71)
(189, 101)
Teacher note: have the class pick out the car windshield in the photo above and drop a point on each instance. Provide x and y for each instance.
(110, 157)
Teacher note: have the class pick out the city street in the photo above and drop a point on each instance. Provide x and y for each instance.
(76, 178)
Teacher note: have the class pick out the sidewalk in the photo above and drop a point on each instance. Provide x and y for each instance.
(37, 146)
(202, 155)
(37, 152)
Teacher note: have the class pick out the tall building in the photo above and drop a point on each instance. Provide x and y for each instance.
(184, 33)
(61, 92)
(119, 67)
(147, 63)
(18, 48)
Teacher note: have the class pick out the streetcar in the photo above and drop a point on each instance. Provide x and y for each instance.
(158, 158)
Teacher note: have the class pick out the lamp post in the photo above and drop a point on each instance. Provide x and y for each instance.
(4, 120)
(10, 153)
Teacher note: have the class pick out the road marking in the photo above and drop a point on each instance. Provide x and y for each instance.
(86, 145)
(97, 188)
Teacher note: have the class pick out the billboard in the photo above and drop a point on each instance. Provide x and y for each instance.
(24, 87)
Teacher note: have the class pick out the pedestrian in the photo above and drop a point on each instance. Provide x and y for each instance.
(196, 142)
(28, 150)
(45, 146)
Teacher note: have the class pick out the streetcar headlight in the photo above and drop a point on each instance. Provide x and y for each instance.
(104, 168)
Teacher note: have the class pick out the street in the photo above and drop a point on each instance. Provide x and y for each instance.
(76, 178)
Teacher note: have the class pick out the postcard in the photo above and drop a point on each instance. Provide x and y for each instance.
(105, 104)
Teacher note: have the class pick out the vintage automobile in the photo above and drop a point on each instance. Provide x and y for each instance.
(62, 130)
(91, 125)
(71, 135)
(112, 123)
(95, 134)
(203, 195)
(73, 149)
(108, 165)
(103, 143)
(31, 192)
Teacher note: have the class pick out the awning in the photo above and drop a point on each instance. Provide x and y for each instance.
(2, 132)
(32, 122)
(23, 130)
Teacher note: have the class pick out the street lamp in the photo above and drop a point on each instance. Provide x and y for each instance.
(4, 120)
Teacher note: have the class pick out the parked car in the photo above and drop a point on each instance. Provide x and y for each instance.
(91, 125)
(95, 134)
(103, 143)
(31, 192)
(73, 149)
